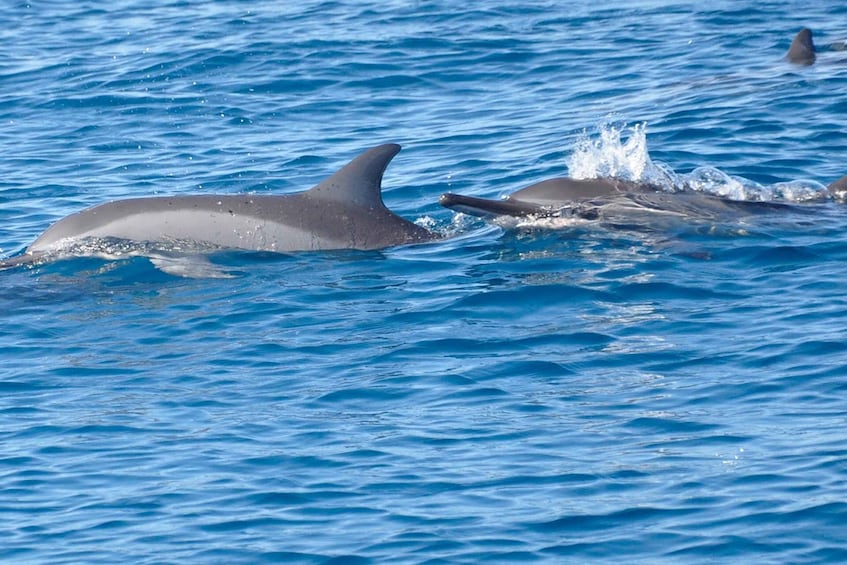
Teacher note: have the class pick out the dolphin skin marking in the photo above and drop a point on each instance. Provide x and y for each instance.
(608, 197)
(345, 211)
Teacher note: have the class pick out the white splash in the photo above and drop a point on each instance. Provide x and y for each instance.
(610, 155)
(546, 222)
(620, 151)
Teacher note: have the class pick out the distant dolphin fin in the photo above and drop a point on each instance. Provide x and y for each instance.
(485, 208)
(802, 50)
(359, 181)
(838, 189)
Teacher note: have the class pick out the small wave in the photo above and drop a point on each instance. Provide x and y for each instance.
(712, 180)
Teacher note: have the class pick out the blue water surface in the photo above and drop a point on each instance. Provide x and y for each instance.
(520, 394)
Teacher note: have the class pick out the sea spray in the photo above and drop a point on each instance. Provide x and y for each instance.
(620, 151)
(609, 155)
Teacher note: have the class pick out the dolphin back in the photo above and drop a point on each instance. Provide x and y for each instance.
(564, 190)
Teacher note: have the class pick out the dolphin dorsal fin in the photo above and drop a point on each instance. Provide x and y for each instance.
(359, 181)
(802, 50)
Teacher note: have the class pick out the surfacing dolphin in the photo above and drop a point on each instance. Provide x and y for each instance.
(345, 211)
(610, 198)
(803, 50)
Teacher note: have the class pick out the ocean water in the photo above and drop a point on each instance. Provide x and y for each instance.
(664, 393)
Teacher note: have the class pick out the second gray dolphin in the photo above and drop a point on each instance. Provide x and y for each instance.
(606, 198)
(345, 211)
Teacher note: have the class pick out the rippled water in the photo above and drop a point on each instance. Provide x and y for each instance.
(666, 393)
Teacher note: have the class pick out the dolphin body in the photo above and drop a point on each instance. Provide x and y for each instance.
(345, 211)
(606, 199)
(611, 199)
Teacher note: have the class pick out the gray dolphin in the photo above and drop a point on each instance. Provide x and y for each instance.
(802, 50)
(345, 211)
(609, 198)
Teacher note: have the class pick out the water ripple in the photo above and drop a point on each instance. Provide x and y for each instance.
(592, 393)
